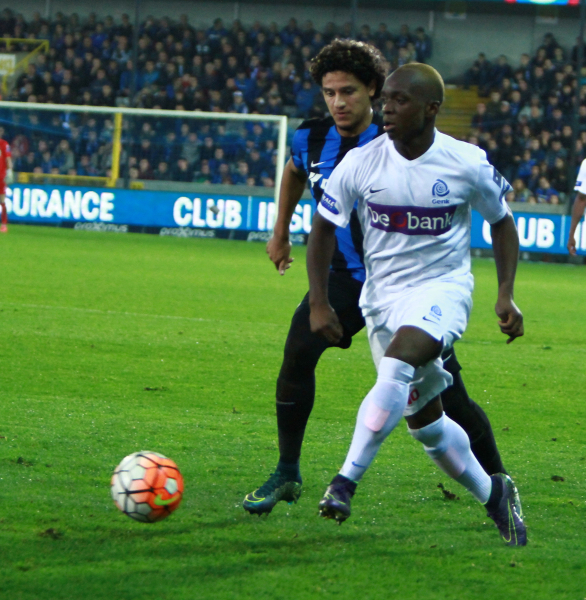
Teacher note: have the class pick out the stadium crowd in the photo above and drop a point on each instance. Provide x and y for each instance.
(261, 69)
(525, 124)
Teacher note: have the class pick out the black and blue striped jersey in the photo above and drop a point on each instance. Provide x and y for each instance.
(316, 150)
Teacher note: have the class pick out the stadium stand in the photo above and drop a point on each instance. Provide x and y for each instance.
(261, 69)
(522, 120)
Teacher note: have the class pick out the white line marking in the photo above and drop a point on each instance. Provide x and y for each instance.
(131, 314)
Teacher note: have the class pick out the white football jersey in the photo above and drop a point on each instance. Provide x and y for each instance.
(581, 181)
(415, 214)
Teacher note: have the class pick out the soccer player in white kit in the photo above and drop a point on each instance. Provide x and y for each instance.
(578, 210)
(414, 189)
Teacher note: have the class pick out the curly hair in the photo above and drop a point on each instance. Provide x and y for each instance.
(362, 60)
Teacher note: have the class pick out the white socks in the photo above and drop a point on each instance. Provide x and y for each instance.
(379, 414)
(447, 444)
(445, 441)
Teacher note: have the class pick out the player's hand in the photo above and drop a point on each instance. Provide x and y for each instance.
(278, 250)
(511, 318)
(572, 245)
(324, 320)
(9, 177)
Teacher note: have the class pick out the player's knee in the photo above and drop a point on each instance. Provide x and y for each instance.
(300, 357)
(432, 437)
(390, 393)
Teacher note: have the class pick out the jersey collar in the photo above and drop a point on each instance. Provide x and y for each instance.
(437, 142)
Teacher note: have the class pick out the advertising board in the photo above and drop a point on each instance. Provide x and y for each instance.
(201, 215)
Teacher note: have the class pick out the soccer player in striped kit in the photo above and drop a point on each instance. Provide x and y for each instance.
(351, 75)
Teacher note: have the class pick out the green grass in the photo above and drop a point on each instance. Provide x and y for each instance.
(88, 320)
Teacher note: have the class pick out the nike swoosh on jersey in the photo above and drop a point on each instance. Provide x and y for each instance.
(375, 191)
(317, 164)
(430, 320)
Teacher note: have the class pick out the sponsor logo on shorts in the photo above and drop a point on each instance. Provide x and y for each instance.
(440, 188)
(411, 220)
(329, 203)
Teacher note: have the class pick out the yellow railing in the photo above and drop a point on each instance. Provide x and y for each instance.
(42, 46)
(80, 180)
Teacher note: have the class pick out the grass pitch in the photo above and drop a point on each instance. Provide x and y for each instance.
(89, 321)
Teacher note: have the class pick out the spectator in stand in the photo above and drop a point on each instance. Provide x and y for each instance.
(182, 171)
(525, 166)
(566, 137)
(257, 167)
(305, 98)
(204, 175)
(539, 82)
(549, 45)
(508, 157)
(404, 38)
(533, 181)
(493, 106)
(556, 150)
(33, 79)
(162, 172)
(217, 161)
(240, 177)
(519, 193)
(544, 192)
(558, 176)
(500, 71)
(144, 169)
(479, 74)
(149, 75)
(64, 157)
(47, 162)
(190, 149)
(503, 117)
(422, 44)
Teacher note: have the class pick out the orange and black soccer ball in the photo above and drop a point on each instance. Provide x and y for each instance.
(147, 486)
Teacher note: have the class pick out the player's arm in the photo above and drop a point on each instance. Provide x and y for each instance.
(320, 250)
(334, 209)
(505, 244)
(577, 214)
(292, 188)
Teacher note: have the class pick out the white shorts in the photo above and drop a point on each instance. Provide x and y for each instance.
(441, 310)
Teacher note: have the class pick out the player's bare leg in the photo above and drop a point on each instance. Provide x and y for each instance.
(4, 217)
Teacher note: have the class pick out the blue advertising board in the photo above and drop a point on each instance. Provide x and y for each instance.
(176, 213)
(57, 204)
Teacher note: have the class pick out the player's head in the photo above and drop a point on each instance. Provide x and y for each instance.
(351, 75)
(412, 96)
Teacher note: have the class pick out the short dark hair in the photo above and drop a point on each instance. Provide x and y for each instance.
(364, 61)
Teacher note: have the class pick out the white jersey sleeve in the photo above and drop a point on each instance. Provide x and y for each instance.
(581, 181)
(340, 194)
(491, 189)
